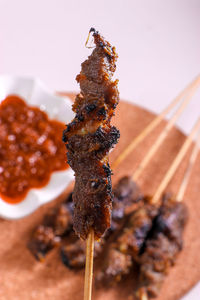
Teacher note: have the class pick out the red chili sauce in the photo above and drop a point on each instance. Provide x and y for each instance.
(31, 148)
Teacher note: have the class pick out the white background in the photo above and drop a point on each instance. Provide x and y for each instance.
(158, 43)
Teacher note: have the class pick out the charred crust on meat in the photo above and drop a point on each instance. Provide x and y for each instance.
(90, 107)
(162, 245)
(102, 112)
(107, 170)
(80, 117)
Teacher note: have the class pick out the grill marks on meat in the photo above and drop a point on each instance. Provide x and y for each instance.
(89, 138)
(163, 246)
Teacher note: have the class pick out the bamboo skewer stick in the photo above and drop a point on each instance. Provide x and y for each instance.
(194, 84)
(163, 134)
(188, 172)
(176, 163)
(89, 266)
(142, 295)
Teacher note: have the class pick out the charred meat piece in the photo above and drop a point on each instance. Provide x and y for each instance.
(89, 138)
(127, 198)
(73, 253)
(43, 240)
(126, 193)
(159, 256)
(164, 243)
(131, 240)
(60, 219)
(117, 259)
(115, 266)
(56, 223)
(171, 220)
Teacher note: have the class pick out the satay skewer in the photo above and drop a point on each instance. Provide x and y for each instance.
(142, 293)
(187, 91)
(89, 137)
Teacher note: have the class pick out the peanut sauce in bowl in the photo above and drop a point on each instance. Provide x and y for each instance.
(31, 148)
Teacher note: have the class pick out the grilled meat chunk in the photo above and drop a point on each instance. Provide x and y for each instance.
(56, 223)
(115, 265)
(73, 253)
(89, 138)
(117, 260)
(126, 193)
(43, 240)
(132, 239)
(163, 245)
(159, 256)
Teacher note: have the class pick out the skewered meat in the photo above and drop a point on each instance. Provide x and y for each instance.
(151, 236)
(56, 223)
(171, 219)
(116, 265)
(73, 253)
(126, 193)
(137, 229)
(159, 255)
(163, 245)
(131, 237)
(89, 138)
(43, 240)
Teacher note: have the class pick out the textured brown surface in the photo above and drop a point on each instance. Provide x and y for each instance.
(23, 278)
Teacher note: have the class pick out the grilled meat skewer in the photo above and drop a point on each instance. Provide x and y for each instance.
(161, 248)
(89, 138)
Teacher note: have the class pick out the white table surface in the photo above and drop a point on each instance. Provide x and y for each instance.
(157, 41)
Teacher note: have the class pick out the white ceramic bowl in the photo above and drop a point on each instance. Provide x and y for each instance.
(57, 108)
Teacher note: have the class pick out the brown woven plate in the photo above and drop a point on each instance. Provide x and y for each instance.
(23, 278)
